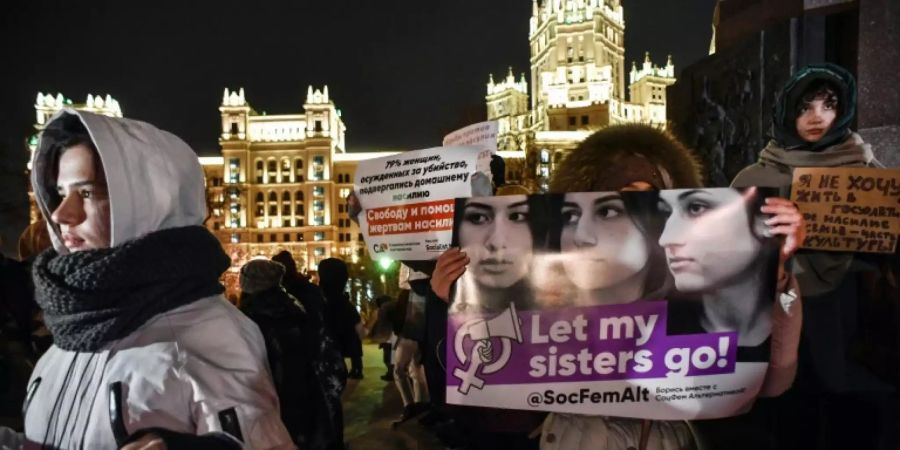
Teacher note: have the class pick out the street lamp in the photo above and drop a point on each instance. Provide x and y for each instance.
(385, 263)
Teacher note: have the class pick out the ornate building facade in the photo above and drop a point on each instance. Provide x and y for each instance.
(578, 85)
(282, 182)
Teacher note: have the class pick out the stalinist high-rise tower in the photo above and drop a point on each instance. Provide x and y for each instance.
(577, 85)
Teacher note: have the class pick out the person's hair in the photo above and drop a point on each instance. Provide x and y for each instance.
(64, 138)
(519, 293)
(498, 172)
(537, 220)
(821, 89)
(333, 275)
(512, 189)
(287, 260)
(642, 209)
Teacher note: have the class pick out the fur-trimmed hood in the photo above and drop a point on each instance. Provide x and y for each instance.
(611, 158)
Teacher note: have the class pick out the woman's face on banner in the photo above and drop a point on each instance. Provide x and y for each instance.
(602, 246)
(707, 238)
(496, 236)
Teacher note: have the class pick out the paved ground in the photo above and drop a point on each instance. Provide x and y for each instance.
(370, 405)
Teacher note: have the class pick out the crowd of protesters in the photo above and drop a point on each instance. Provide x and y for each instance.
(116, 334)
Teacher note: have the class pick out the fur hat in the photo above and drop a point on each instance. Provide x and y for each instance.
(259, 275)
(619, 155)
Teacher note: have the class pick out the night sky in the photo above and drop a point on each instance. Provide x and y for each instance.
(402, 72)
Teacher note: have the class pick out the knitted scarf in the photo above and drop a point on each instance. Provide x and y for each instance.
(817, 272)
(851, 152)
(94, 297)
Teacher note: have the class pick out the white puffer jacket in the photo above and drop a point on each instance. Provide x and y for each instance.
(197, 369)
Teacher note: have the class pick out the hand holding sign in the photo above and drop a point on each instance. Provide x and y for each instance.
(786, 221)
(450, 266)
(849, 209)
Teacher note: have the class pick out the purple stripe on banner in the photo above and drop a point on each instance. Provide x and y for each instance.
(594, 343)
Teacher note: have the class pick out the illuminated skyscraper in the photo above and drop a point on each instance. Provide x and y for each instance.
(578, 85)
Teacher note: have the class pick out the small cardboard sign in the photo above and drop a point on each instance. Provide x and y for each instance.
(849, 209)
(482, 135)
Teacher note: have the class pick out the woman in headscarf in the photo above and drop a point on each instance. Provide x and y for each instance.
(850, 306)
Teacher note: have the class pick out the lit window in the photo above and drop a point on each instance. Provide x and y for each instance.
(319, 191)
(319, 251)
(318, 160)
(235, 238)
(319, 235)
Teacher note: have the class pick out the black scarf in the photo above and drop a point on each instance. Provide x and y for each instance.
(94, 297)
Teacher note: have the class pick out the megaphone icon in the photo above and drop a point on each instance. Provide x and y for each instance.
(506, 326)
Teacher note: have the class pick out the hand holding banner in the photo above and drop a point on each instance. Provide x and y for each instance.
(652, 305)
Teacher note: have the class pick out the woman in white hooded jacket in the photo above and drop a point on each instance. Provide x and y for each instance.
(146, 348)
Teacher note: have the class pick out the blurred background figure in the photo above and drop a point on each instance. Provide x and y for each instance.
(341, 316)
(294, 345)
(383, 334)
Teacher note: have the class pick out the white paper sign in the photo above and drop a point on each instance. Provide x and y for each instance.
(482, 135)
(408, 199)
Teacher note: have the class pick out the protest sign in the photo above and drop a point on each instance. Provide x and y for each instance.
(849, 209)
(482, 135)
(408, 199)
(604, 303)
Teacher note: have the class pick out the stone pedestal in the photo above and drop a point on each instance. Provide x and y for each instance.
(722, 105)
(879, 79)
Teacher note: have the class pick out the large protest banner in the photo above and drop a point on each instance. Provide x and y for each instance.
(482, 135)
(849, 209)
(618, 304)
(408, 199)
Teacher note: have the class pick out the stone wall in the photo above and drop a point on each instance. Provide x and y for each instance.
(722, 105)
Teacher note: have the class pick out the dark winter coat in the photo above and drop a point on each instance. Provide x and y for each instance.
(341, 318)
(306, 367)
(341, 315)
